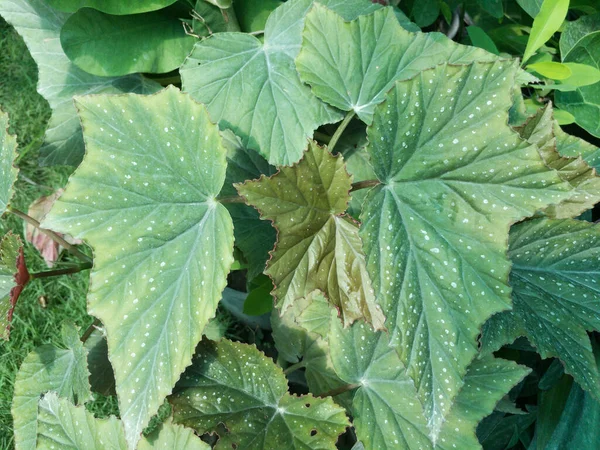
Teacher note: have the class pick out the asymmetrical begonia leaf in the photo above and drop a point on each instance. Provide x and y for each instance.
(116, 7)
(555, 294)
(454, 177)
(539, 130)
(572, 146)
(317, 247)
(236, 385)
(48, 368)
(59, 79)
(13, 278)
(60, 423)
(8, 172)
(385, 406)
(144, 199)
(351, 65)
(107, 45)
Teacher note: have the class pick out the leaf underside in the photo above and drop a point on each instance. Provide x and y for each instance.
(144, 199)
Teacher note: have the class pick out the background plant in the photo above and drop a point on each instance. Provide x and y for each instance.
(406, 315)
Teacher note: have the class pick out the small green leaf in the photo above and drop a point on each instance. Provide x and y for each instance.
(8, 172)
(317, 245)
(60, 79)
(563, 117)
(107, 45)
(235, 384)
(48, 368)
(454, 177)
(552, 70)
(144, 199)
(582, 75)
(333, 55)
(555, 299)
(480, 38)
(259, 300)
(425, 12)
(547, 22)
(117, 7)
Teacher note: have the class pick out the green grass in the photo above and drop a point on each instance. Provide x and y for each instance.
(33, 325)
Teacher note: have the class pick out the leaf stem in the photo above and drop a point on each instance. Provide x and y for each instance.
(340, 390)
(57, 272)
(340, 129)
(294, 367)
(51, 234)
(96, 323)
(364, 185)
(322, 137)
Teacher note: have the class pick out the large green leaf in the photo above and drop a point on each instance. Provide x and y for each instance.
(454, 178)
(59, 79)
(386, 409)
(8, 153)
(555, 294)
(584, 102)
(317, 247)
(144, 199)
(73, 428)
(117, 7)
(107, 45)
(352, 65)
(48, 368)
(235, 384)
(539, 130)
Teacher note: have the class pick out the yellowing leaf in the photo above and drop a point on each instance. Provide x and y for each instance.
(552, 70)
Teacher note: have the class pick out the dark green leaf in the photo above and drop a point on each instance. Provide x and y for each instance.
(118, 7)
(480, 38)
(259, 300)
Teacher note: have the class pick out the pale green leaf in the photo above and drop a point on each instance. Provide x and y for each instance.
(555, 294)
(351, 65)
(235, 384)
(547, 22)
(8, 172)
(551, 69)
(385, 406)
(144, 199)
(584, 103)
(576, 30)
(117, 7)
(582, 75)
(10, 248)
(48, 368)
(454, 177)
(317, 247)
(539, 130)
(208, 19)
(59, 79)
(108, 45)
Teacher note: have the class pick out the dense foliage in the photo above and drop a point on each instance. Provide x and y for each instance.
(424, 274)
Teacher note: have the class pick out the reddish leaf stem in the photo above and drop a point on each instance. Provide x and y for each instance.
(67, 271)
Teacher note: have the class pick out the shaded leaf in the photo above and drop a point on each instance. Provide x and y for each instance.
(317, 245)
(259, 300)
(539, 130)
(235, 384)
(334, 56)
(253, 14)
(48, 368)
(102, 377)
(233, 302)
(210, 19)
(555, 297)
(59, 79)
(454, 177)
(479, 38)
(117, 7)
(108, 45)
(163, 245)
(13, 278)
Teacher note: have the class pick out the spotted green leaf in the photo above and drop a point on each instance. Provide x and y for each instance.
(385, 406)
(8, 173)
(116, 7)
(107, 45)
(539, 130)
(351, 65)
(59, 79)
(555, 294)
(173, 437)
(572, 146)
(235, 384)
(144, 199)
(13, 277)
(48, 368)
(317, 247)
(453, 177)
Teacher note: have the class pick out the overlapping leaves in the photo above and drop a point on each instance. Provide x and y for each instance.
(317, 247)
(454, 177)
(235, 384)
(144, 198)
(556, 297)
